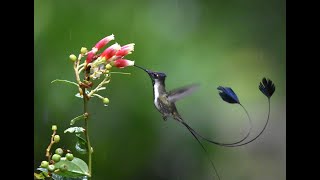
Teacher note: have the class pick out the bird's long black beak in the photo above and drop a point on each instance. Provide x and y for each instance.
(146, 70)
(150, 73)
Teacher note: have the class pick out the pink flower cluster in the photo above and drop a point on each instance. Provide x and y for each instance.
(114, 54)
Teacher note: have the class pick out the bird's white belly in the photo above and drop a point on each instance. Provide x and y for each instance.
(156, 95)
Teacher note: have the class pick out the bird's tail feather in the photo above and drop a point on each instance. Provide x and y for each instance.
(204, 149)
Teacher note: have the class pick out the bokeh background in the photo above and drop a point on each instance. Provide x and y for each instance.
(211, 42)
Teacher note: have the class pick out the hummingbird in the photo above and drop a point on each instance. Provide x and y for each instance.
(164, 101)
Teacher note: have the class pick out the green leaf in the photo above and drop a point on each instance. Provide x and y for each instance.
(64, 81)
(42, 175)
(76, 119)
(81, 145)
(75, 130)
(75, 168)
(58, 177)
(42, 169)
(39, 176)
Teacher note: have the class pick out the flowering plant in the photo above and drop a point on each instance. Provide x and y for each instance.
(95, 69)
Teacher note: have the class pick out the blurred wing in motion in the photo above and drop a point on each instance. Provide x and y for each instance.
(176, 94)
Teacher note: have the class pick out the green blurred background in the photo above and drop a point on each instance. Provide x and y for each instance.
(213, 42)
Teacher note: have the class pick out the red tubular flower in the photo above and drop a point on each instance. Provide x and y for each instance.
(121, 63)
(90, 56)
(126, 49)
(110, 51)
(104, 41)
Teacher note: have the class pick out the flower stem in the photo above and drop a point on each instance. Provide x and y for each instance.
(75, 67)
(104, 81)
(86, 118)
(50, 145)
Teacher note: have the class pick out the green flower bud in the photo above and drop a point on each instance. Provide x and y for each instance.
(83, 50)
(63, 167)
(108, 66)
(56, 138)
(59, 151)
(73, 57)
(56, 157)
(105, 100)
(54, 128)
(44, 164)
(51, 167)
(69, 156)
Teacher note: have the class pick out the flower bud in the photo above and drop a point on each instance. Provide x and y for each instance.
(121, 63)
(44, 164)
(105, 100)
(110, 51)
(59, 151)
(83, 50)
(73, 57)
(63, 167)
(56, 157)
(108, 66)
(126, 49)
(56, 138)
(69, 156)
(104, 41)
(54, 128)
(51, 167)
(90, 56)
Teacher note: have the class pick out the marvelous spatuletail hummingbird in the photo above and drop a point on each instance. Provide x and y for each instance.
(165, 103)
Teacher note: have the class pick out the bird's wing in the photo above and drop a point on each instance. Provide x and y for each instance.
(179, 93)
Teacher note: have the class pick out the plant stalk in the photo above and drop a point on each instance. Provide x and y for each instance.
(86, 118)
